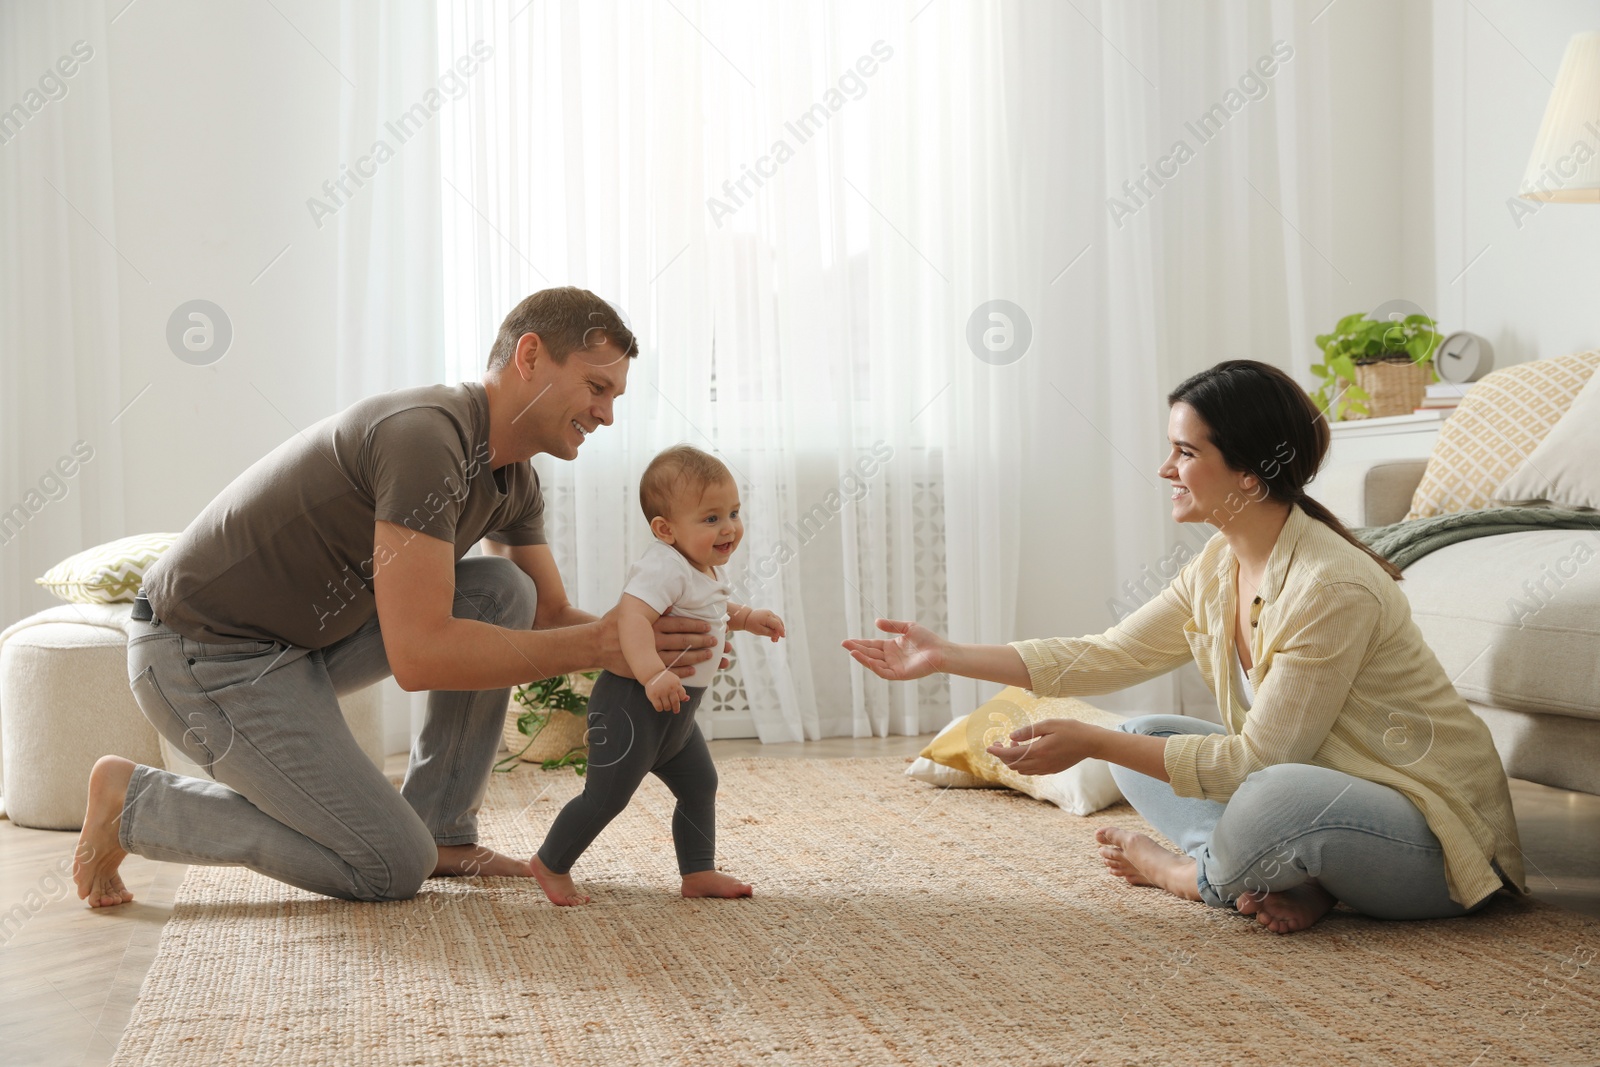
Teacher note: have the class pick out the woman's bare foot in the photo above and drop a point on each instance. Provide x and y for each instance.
(99, 852)
(476, 861)
(1290, 910)
(558, 887)
(1118, 863)
(715, 884)
(1140, 861)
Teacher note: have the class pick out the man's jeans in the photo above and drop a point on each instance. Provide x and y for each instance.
(1364, 843)
(295, 797)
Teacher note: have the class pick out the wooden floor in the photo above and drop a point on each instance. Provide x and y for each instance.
(69, 976)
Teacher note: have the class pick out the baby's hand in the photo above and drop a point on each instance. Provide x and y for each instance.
(765, 623)
(666, 692)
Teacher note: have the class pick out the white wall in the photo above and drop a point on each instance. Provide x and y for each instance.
(1532, 291)
(224, 120)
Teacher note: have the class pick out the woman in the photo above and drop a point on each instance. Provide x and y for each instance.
(1347, 769)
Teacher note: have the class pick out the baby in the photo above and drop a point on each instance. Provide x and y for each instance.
(645, 726)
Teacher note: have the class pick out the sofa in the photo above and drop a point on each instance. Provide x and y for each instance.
(1514, 618)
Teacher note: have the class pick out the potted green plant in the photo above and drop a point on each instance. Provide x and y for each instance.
(1372, 367)
(548, 720)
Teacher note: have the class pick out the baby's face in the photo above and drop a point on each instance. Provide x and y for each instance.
(707, 530)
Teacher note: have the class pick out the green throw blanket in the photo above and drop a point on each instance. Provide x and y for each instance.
(1403, 543)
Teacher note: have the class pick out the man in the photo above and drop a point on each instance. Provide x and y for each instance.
(339, 558)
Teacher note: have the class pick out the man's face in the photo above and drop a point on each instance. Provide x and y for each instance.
(571, 400)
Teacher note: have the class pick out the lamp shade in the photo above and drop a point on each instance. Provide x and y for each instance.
(1565, 165)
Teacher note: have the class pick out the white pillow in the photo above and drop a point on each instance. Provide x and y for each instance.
(924, 769)
(1082, 790)
(1562, 471)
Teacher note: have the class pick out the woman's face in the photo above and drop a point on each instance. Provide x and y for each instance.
(1204, 488)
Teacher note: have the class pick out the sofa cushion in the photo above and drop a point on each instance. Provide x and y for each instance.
(1563, 470)
(1515, 619)
(107, 574)
(1494, 429)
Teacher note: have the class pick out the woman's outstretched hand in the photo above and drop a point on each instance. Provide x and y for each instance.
(1046, 747)
(916, 653)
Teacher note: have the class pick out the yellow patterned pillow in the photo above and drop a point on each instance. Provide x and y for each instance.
(108, 573)
(1497, 426)
(962, 746)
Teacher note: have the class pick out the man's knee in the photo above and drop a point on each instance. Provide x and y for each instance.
(405, 861)
(497, 590)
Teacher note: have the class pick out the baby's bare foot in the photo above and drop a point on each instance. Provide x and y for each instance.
(99, 852)
(715, 884)
(476, 861)
(1290, 910)
(558, 887)
(1143, 862)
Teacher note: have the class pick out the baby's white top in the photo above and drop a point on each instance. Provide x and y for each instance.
(670, 584)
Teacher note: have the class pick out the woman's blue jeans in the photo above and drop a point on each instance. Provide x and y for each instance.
(1364, 843)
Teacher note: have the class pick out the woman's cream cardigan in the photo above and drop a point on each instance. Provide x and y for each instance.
(1342, 679)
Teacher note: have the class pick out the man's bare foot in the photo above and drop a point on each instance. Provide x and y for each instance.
(476, 861)
(1140, 861)
(558, 887)
(99, 852)
(1289, 910)
(715, 884)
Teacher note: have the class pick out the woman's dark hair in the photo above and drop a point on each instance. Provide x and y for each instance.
(1263, 422)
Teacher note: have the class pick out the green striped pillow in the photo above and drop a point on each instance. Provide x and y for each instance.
(108, 573)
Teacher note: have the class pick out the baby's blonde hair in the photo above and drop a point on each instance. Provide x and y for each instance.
(678, 469)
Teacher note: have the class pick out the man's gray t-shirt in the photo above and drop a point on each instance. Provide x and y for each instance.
(285, 552)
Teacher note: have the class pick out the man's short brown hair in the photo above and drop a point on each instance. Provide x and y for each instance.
(681, 467)
(566, 319)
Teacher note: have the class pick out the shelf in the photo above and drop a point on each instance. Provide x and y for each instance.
(1419, 422)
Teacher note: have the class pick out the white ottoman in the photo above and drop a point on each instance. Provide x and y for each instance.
(65, 702)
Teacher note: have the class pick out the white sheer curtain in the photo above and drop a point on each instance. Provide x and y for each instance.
(802, 209)
(60, 274)
(390, 292)
(801, 206)
(1223, 256)
(768, 317)
(61, 390)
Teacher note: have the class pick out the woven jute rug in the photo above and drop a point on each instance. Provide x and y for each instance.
(893, 923)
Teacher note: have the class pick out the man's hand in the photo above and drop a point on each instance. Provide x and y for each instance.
(666, 692)
(1048, 747)
(682, 644)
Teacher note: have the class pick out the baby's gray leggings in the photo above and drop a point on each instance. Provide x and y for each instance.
(628, 739)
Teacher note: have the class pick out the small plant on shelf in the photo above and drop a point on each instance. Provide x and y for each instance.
(1360, 342)
(539, 704)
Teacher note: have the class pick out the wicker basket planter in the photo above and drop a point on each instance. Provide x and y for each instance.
(1394, 386)
(1376, 365)
(555, 730)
